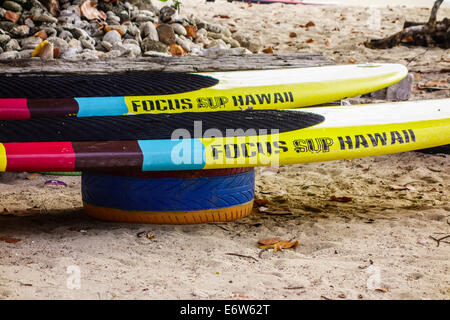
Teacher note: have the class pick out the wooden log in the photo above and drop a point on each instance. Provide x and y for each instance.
(37, 66)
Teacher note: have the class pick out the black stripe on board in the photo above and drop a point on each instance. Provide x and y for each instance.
(159, 126)
(102, 85)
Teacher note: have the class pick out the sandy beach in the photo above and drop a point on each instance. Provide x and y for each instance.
(376, 246)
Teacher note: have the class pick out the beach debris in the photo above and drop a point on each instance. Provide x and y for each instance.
(427, 34)
(241, 256)
(77, 29)
(263, 209)
(260, 202)
(272, 170)
(10, 240)
(292, 35)
(268, 50)
(404, 187)
(278, 212)
(310, 40)
(55, 183)
(439, 240)
(341, 199)
(276, 245)
(89, 10)
(382, 290)
(277, 192)
(434, 85)
(200, 294)
(146, 234)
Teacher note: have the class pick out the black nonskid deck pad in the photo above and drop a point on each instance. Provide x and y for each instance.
(102, 85)
(152, 127)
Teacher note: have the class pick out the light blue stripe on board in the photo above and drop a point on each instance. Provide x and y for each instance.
(101, 106)
(183, 154)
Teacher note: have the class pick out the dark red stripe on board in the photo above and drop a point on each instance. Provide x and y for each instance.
(47, 156)
(108, 155)
(52, 107)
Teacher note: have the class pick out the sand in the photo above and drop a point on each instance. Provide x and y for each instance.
(377, 246)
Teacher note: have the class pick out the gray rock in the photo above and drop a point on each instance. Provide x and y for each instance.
(213, 28)
(124, 15)
(79, 33)
(12, 45)
(143, 18)
(202, 32)
(166, 34)
(112, 37)
(166, 14)
(179, 29)
(87, 44)
(148, 29)
(71, 52)
(25, 54)
(20, 31)
(59, 43)
(156, 54)
(106, 45)
(21, 2)
(7, 25)
(130, 41)
(9, 55)
(51, 32)
(112, 54)
(44, 18)
(1, 50)
(4, 38)
(152, 45)
(66, 35)
(131, 28)
(185, 43)
(28, 22)
(396, 92)
(13, 6)
(2, 12)
(30, 42)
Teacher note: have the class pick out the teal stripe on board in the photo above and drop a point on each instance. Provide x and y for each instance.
(161, 155)
(101, 106)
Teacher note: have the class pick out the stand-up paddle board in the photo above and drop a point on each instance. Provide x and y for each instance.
(154, 93)
(191, 141)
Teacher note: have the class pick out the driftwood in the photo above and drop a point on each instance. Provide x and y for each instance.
(173, 64)
(427, 34)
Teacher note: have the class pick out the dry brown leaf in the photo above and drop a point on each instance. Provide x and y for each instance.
(327, 42)
(351, 60)
(384, 290)
(11, 16)
(310, 24)
(9, 239)
(89, 10)
(310, 40)
(270, 241)
(292, 35)
(260, 202)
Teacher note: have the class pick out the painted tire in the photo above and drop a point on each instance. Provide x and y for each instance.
(186, 197)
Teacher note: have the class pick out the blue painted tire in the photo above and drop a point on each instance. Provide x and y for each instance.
(195, 196)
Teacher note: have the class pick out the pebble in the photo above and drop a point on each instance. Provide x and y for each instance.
(152, 45)
(20, 31)
(148, 29)
(13, 6)
(130, 31)
(112, 37)
(45, 18)
(30, 42)
(166, 34)
(200, 294)
(12, 45)
(9, 55)
(179, 29)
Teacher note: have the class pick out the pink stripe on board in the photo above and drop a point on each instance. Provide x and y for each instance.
(39, 156)
(11, 109)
